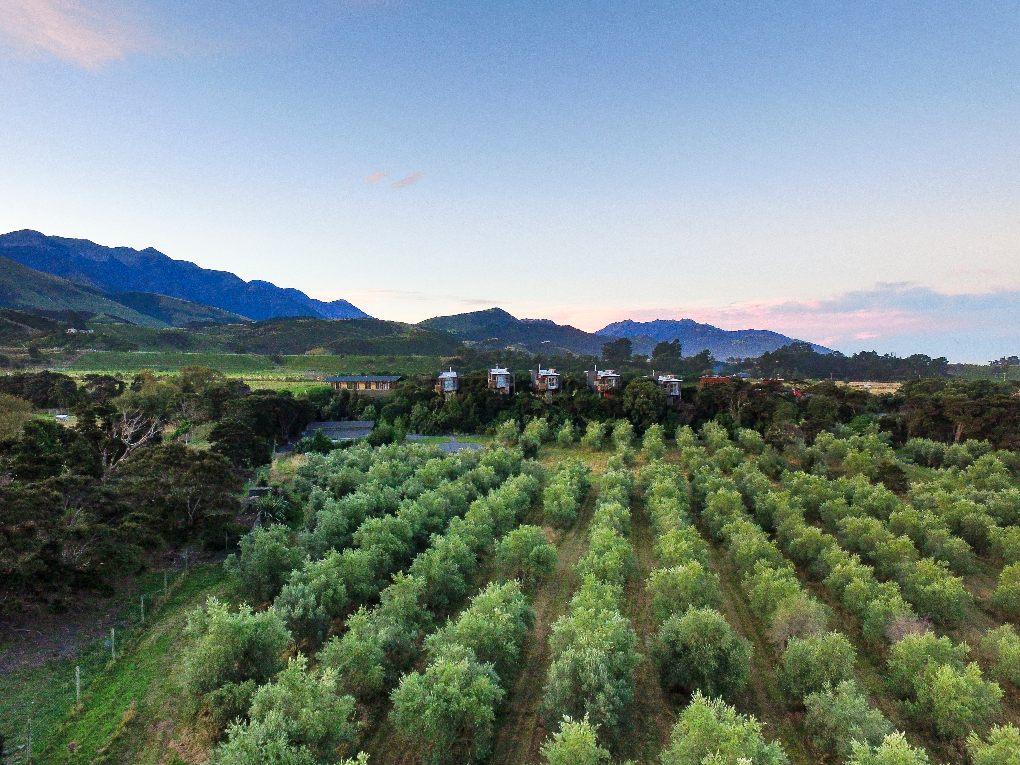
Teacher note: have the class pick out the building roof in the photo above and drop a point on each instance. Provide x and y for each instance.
(668, 378)
(499, 371)
(364, 378)
(606, 373)
(447, 375)
(547, 372)
(341, 430)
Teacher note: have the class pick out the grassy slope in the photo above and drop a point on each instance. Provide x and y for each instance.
(23, 287)
(112, 724)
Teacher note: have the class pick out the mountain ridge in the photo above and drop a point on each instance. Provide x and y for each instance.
(124, 269)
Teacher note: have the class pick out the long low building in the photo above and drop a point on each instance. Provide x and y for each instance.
(365, 383)
(340, 430)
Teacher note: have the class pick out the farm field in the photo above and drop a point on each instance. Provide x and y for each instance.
(254, 366)
(456, 608)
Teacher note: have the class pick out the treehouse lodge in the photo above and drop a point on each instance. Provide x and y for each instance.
(448, 382)
(501, 380)
(545, 380)
(605, 382)
(670, 385)
(372, 385)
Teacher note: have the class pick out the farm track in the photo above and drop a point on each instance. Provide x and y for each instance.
(763, 696)
(520, 736)
(653, 714)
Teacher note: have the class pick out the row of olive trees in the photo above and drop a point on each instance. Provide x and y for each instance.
(594, 647)
(938, 688)
(311, 715)
(565, 493)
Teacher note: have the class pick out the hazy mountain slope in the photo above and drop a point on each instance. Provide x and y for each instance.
(496, 328)
(26, 288)
(174, 310)
(122, 269)
(695, 337)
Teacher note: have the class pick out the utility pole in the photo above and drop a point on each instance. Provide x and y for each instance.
(77, 684)
(113, 643)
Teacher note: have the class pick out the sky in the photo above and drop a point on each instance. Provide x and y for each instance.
(843, 172)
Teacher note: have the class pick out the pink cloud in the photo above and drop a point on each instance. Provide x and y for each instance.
(373, 178)
(408, 180)
(67, 29)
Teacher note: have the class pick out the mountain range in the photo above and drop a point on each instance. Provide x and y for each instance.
(52, 275)
(123, 269)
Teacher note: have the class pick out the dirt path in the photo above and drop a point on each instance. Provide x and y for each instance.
(653, 713)
(763, 696)
(522, 731)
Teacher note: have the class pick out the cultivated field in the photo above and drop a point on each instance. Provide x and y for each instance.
(455, 608)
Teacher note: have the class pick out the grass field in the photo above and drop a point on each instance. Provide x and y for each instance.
(253, 366)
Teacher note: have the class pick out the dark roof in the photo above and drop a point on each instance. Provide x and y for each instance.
(341, 430)
(364, 378)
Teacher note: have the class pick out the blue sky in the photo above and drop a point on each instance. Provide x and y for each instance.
(844, 172)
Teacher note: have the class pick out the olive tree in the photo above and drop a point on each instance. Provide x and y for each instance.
(839, 715)
(267, 556)
(1001, 747)
(575, 743)
(709, 731)
(526, 554)
(808, 664)
(700, 651)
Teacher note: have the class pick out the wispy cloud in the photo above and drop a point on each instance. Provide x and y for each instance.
(75, 32)
(408, 180)
(373, 178)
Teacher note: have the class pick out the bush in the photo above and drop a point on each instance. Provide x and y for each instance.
(700, 651)
(623, 435)
(314, 595)
(1002, 644)
(953, 701)
(1007, 592)
(676, 589)
(316, 715)
(936, 593)
(447, 713)
(566, 436)
(267, 556)
(525, 554)
(358, 657)
(595, 434)
(260, 743)
(1002, 747)
(653, 442)
(1005, 542)
(810, 663)
(839, 716)
(894, 750)
(575, 743)
(709, 731)
(231, 647)
(508, 433)
(799, 616)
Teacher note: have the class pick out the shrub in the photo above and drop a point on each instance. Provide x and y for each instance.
(894, 750)
(610, 557)
(1002, 747)
(566, 436)
(1002, 644)
(260, 743)
(953, 701)
(911, 655)
(525, 554)
(709, 731)
(676, 589)
(316, 715)
(1007, 592)
(448, 711)
(266, 558)
(798, 616)
(358, 657)
(623, 435)
(313, 597)
(653, 442)
(840, 715)
(575, 743)
(231, 647)
(700, 651)
(595, 434)
(1005, 542)
(810, 663)
(508, 433)
(936, 593)
(750, 441)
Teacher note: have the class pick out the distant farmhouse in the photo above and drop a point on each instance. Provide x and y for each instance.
(545, 380)
(501, 380)
(605, 382)
(670, 385)
(448, 383)
(367, 384)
